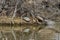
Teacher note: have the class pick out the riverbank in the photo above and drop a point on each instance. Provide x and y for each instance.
(16, 21)
(9, 20)
(4, 20)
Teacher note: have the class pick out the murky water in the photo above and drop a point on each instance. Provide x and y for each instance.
(29, 32)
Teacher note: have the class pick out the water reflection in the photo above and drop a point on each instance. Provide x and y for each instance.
(29, 32)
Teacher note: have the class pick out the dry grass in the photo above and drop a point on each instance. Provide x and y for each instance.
(9, 20)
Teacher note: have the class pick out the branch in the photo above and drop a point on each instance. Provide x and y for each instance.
(13, 33)
(15, 10)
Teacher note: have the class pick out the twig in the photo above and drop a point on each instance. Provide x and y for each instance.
(54, 14)
(13, 33)
(2, 38)
(1, 35)
(15, 10)
(32, 36)
(6, 38)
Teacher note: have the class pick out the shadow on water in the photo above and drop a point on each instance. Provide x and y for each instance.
(29, 32)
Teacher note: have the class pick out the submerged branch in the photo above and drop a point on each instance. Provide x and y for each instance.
(13, 33)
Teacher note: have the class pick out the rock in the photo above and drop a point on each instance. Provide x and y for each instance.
(39, 18)
(26, 19)
(26, 30)
(50, 24)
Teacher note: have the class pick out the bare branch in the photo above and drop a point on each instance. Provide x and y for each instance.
(13, 33)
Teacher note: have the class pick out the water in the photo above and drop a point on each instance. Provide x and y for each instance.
(29, 32)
